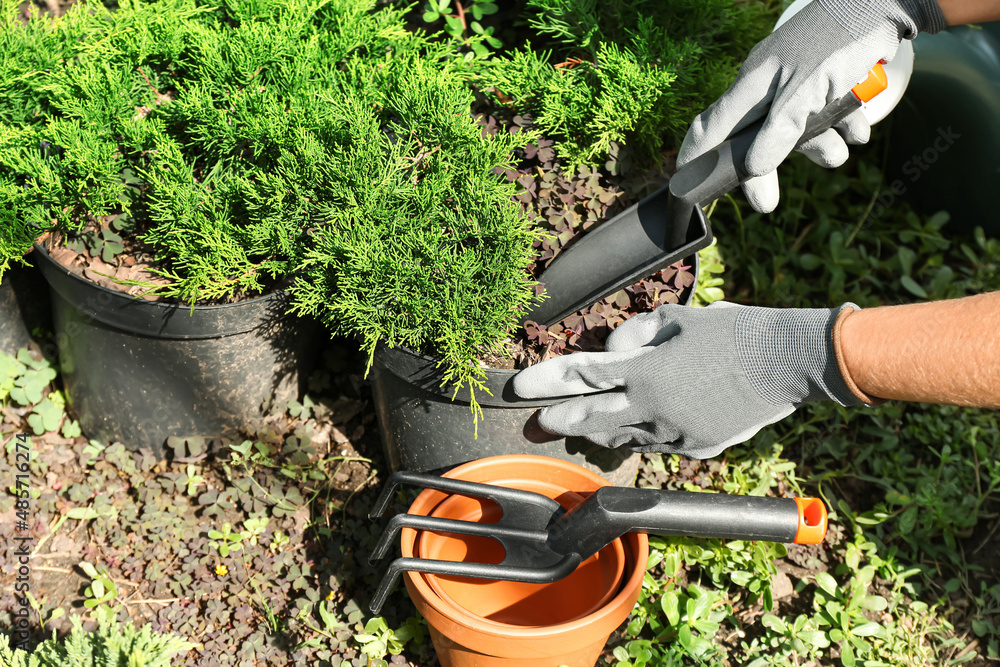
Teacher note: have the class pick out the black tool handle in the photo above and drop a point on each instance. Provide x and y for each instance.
(613, 511)
(656, 232)
(713, 174)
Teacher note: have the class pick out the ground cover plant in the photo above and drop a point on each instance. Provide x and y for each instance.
(917, 482)
(908, 574)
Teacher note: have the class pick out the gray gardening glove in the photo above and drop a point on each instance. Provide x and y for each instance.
(692, 381)
(813, 59)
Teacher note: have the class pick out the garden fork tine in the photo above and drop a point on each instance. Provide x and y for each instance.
(510, 500)
(532, 574)
(419, 522)
(524, 520)
(522, 530)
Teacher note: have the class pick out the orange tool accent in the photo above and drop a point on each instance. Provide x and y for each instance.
(812, 521)
(873, 85)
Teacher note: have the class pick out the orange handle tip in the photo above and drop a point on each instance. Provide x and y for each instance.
(873, 85)
(812, 521)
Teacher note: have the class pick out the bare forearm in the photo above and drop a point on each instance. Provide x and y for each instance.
(957, 12)
(937, 352)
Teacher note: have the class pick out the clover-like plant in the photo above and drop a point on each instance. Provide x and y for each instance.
(32, 378)
(47, 415)
(191, 480)
(225, 540)
(253, 528)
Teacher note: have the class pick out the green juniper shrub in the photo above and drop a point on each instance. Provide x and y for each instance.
(254, 144)
(110, 644)
(424, 244)
(635, 73)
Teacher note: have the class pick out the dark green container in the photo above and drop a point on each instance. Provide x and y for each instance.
(944, 151)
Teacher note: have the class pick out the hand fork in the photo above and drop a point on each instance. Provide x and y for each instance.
(543, 542)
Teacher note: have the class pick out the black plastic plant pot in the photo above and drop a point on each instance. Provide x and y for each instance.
(423, 429)
(24, 307)
(139, 372)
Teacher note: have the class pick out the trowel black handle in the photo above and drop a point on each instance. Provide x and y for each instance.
(713, 174)
(613, 511)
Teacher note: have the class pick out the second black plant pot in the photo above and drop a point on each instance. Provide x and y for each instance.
(139, 372)
(423, 429)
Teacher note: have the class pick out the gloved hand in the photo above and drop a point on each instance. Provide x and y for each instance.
(692, 381)
(813, 59)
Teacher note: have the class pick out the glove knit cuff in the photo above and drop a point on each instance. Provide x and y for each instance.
(788, 355)
(862, 18)
(926, 13)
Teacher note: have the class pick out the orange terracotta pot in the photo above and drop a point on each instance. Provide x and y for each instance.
(484, 623)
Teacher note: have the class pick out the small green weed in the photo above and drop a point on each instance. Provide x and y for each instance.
(986, 624)
(462, 22)
(32, 378)
(225, 540)
(102, 588)
(708, 287)
(379, 640)
(24, 380)
(867, 629)
(681, 622)
(39, 605)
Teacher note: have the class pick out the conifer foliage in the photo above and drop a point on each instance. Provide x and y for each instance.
(632, 72)
(317, 143)
(111, 644)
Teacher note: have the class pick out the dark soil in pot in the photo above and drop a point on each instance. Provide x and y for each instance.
(110, 252)
(568, 202)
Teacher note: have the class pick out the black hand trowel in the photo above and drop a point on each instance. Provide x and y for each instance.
(669, 224)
